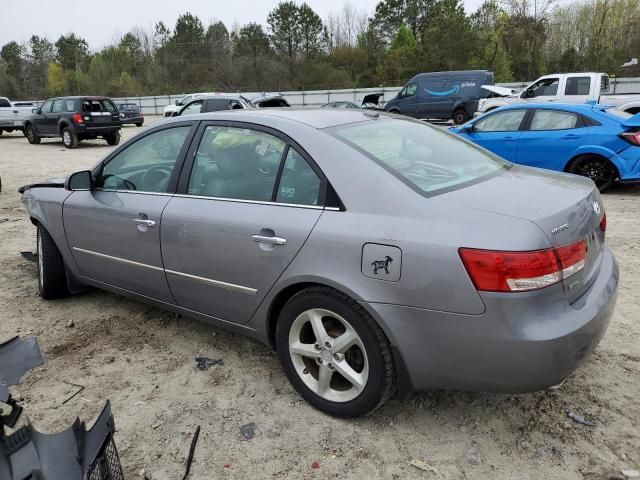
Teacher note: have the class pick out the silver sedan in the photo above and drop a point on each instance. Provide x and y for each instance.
(377, 254)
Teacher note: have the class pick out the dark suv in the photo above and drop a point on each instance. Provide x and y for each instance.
(131, 113)
(74, 119)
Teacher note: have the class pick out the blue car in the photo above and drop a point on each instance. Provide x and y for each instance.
(596, 141)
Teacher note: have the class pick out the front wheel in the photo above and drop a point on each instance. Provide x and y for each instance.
(31, 135)
(69, 139)
(599, 169)
(139, 124)
(52, 276)
(334, 353)
(113, 138)
(460, 117)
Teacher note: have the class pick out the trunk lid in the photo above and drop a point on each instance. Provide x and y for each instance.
(567, 209)
(100, 112)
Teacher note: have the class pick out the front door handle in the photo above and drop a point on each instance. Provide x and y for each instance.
(144, 222)
(570, 136)
(508, 139)
(269, 240)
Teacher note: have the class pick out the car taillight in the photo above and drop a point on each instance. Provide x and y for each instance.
(498, 271)
(632, 137)
(77, 118)
(603, 222)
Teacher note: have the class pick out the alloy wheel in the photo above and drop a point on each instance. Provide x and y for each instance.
(597, 169)
(328, 355)
(66, 137)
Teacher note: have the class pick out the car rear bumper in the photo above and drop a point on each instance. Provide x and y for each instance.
(127, 120)
(522, 343)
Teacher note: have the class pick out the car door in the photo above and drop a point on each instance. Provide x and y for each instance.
(577, 89)
(499, 132)
(113, 229)
(52, 118)
(40, 120)
(249, 203)
(544, 90)
(408, 100)
(551, 138)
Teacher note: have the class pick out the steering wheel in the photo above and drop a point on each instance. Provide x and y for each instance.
(155, 177)
(126, 183)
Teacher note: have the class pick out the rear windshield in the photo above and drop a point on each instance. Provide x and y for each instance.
(129, 106)
(98, 105)
(426, 158)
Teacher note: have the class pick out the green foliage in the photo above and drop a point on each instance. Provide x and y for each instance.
(517, 39)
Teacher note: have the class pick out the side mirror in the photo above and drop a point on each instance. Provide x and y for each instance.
(467, 128)
(79, 181)
(178, 103)
(37, 110)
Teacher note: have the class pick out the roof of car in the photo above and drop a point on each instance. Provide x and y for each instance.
(576, 107)
(316, 117)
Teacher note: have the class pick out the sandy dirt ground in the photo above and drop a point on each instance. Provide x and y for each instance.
(142, 359)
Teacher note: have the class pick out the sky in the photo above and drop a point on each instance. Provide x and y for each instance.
(102, 21)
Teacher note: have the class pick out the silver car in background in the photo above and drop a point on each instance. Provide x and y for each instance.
(377, 254)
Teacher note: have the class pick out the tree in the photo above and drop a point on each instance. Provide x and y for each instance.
(284, 29)
(72, 52)
(57, 80)
(310, 30)
(391, 14)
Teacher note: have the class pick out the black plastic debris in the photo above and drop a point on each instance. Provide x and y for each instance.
(204, 363)
(248, 431)
(580, 419)
(74, 454)
(30, 256)
(192, 450)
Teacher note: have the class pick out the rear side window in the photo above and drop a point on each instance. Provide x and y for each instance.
(578, 86)
(69, 105)
(299, 184)
(236, 163)
(506, 121)
(553, 120)
(424, 157)
(98, 105)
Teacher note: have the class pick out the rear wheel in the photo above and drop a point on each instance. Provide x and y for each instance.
(69, 139)
(52, 277)
(31, 135)
(599, 169)
(113, 138)
(334, 353)
(139, 124)
(460, 116)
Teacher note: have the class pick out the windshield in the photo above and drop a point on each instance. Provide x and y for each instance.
(425, 157)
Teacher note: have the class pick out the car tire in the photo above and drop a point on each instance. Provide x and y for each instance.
(460, 116)
(139, 124)
(113, 138)
(32, 136)
(69, 139)
(52, 276)
(1, 132)
(320, 373)
(599, 169)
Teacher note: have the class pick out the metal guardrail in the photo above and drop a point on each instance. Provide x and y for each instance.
(154, 105)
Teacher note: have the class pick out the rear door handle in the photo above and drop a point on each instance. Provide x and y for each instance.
(144, 222)
(508, 138)
(570, 136)
(269, 240)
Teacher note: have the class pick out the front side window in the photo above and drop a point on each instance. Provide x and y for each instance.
(544, 88)
(185, 100)
(46, 108)
(4, 103)
(553, 120)
(192, 108)
(411, 89)
(236, 163)
(58, 106)
(578, 86)
(299, 183)
(424, 157)
(507, 121)
(147, 164)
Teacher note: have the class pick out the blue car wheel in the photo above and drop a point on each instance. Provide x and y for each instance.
(599, 169)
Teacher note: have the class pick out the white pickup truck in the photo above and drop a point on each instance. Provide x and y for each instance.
(13, 115)
(562, 88)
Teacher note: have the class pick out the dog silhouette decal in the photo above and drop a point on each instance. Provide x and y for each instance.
(381, 265)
